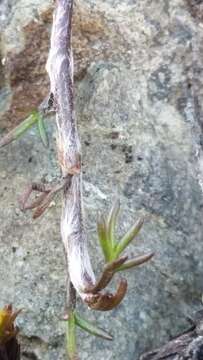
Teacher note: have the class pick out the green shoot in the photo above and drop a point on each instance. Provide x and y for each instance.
(92, 328)
(135, 262)
(71, 337)
(128, 237)
(25, 125)
(111, 222)
(19, 130)
(103, 238)
(112, 248)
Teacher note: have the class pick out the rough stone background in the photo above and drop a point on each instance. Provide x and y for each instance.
(139, 95)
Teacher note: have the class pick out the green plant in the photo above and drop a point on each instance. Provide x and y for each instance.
(79, 269)
(111, 249)
(35, 117)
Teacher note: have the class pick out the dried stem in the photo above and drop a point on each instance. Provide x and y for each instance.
(60, 69)
(48, 192)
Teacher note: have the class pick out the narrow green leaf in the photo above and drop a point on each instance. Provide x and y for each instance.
(71, 337)
(92, 328)
(103, 238)
(111, 222)
(128, 237)
(42, 130)
(135, 262)
(19, 130)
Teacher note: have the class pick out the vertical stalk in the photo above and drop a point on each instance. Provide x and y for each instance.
(60, 69)
(71, 324)
(71, 337)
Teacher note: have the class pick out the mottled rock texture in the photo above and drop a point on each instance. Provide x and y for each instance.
(138, 71)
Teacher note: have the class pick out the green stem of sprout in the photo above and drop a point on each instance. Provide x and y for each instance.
(71, 337)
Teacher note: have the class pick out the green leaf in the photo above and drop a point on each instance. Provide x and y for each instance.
(103, 238)
(19, 130)
(71, 336)
(111, 222)
(92, 328)
(135, 262)
(42, 130)
(128, 237)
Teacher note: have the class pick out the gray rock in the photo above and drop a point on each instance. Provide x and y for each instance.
(138, 103)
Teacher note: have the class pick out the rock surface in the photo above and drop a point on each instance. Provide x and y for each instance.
(138, 71)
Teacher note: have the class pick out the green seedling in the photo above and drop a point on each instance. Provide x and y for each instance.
(111, 222)
(128, 237)
(75, 320)
(138, 260)
(106, 231)
(103, 238)
(111, 247)
(19, 130)
(91, 328)
(35, 117)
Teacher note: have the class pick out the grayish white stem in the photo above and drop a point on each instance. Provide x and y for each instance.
(60, 69)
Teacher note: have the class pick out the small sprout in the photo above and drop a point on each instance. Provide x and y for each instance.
(103, 237)
(91, 328)
(128, 237)
(111, 222)
(114, 262)
(135, 262)
(19, 130)
(42, 130)
(112, 248)
(106, 232)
